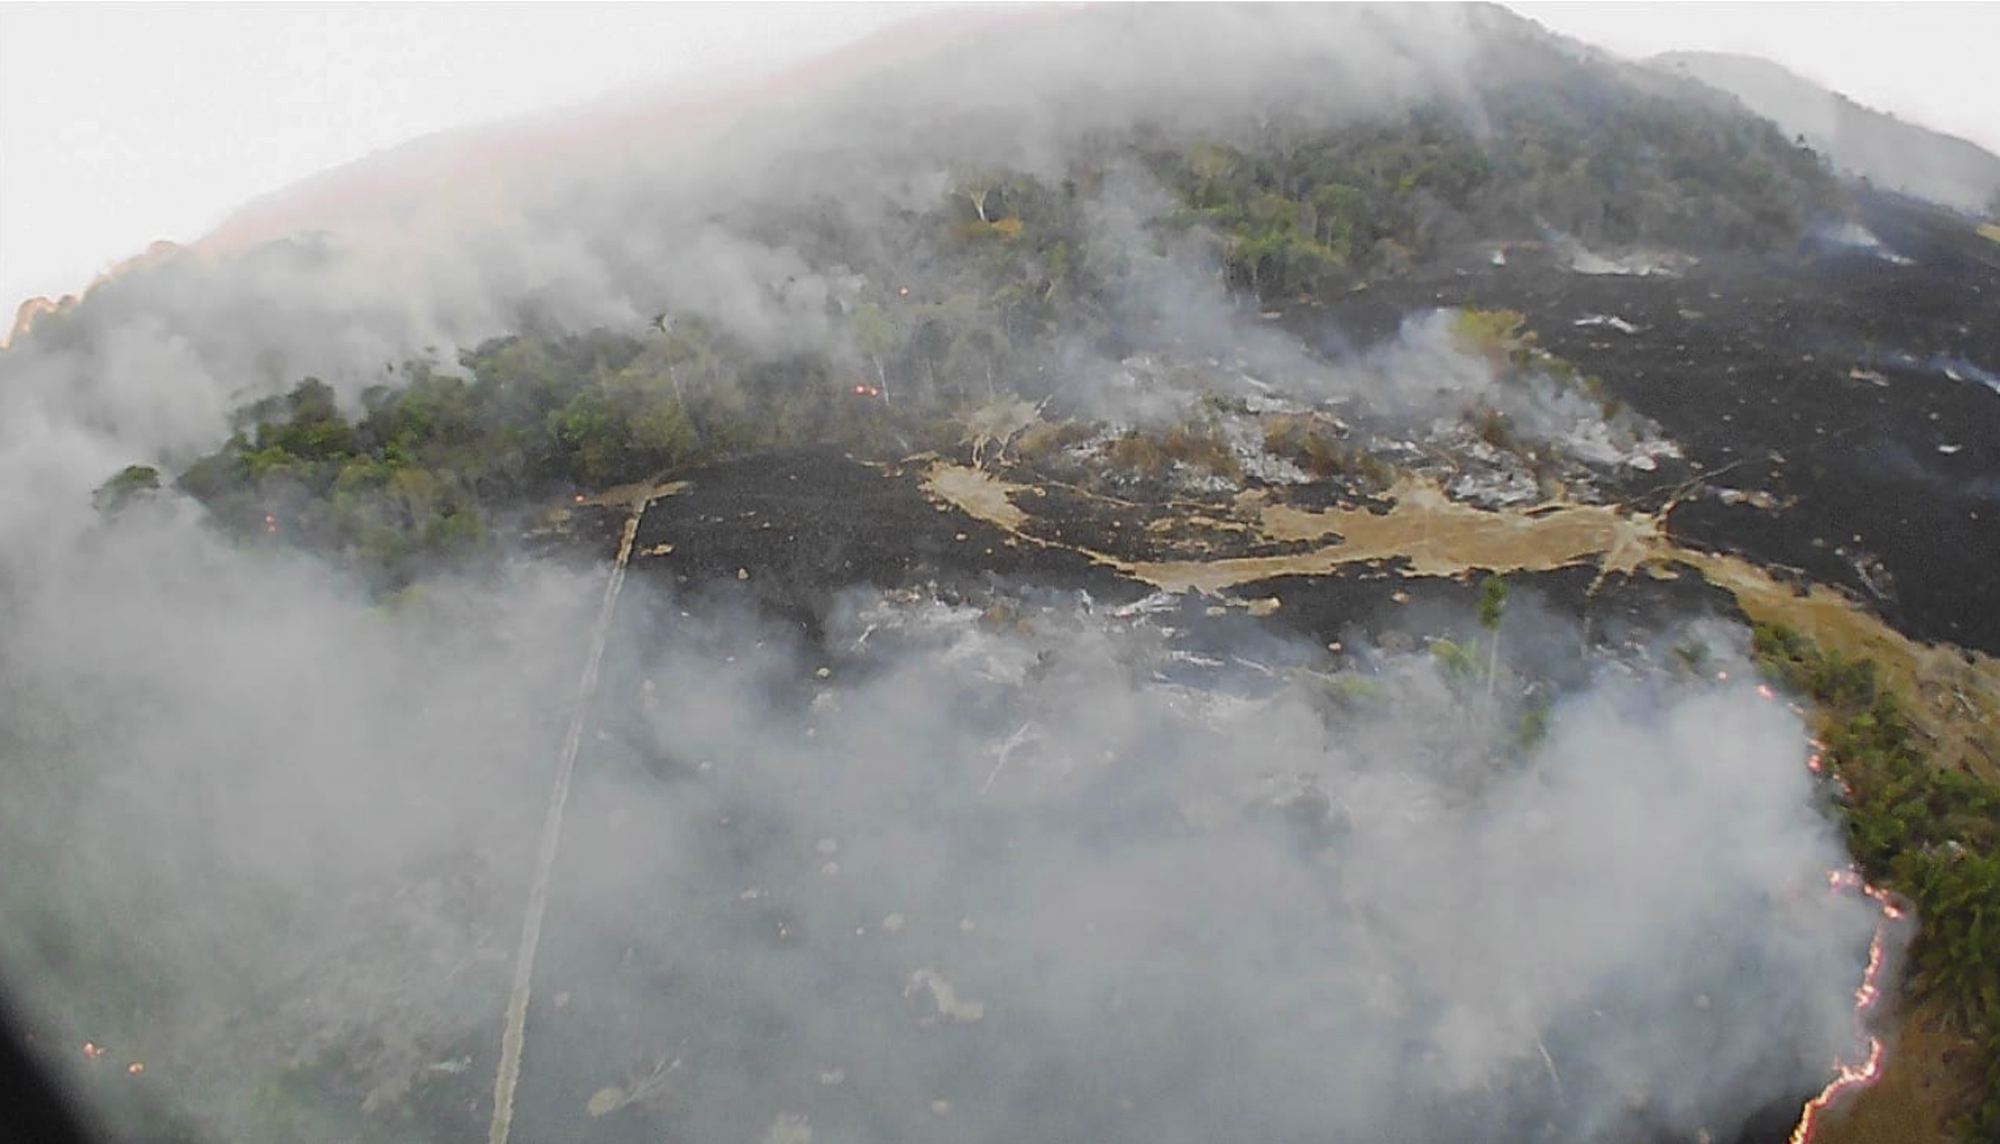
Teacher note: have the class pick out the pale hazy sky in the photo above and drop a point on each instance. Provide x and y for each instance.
(121, 124)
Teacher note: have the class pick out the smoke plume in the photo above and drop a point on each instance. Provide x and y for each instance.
(1071, 877)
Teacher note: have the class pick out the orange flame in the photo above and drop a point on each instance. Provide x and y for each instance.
(1849, 1076)
(1853, 1076)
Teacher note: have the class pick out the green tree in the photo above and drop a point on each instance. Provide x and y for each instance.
(130, 483)
(306, 423)
(1492, 608)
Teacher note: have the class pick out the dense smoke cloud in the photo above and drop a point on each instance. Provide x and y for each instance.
(1014, 870)
(1219, 909)
(1074, 870)
(210, 758)
(672, 219)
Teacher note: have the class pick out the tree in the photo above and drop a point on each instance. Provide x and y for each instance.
(1492, 606)
(977, 183)
(131, 482)
(416, 494)
(1211, 165)
(875, 337)
(303, 424)
(684, 352)
(955, 333)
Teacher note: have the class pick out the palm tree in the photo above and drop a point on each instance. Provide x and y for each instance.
(685, 348)
(1492, 604)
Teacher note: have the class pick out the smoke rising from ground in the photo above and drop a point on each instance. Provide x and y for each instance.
(1059, 875)
(1011, 870)
(1221, 910)
(677, 222)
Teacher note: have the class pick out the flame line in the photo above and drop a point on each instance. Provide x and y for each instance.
(1846, 1076)
(1850, 1076)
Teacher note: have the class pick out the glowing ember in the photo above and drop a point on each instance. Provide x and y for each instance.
(1853, 1076)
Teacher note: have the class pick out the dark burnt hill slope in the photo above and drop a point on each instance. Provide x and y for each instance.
(784, 534)
(1856, 390)
(788, 531)
(1845, 390)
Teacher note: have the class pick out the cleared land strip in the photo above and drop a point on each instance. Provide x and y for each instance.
(511, 1040)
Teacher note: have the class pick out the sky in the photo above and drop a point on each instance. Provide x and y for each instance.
(121, 124)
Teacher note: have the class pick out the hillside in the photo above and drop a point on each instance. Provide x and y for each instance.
(1859, 140)
(1102, 574)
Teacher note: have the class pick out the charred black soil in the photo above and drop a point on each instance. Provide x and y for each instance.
(787, 532)
(1856, 390)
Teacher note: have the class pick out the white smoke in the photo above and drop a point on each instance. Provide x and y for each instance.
(274, 823)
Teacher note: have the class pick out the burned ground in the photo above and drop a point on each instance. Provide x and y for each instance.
(787, 532)
(1821, 380)
(1831, 405)
(1791, 380)
(715, 965)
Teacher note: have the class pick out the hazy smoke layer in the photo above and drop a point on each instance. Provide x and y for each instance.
(704, 217)
(1072, 877)
(1858, 140)
(1021, 872)
(249, 816)
(982, 880)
